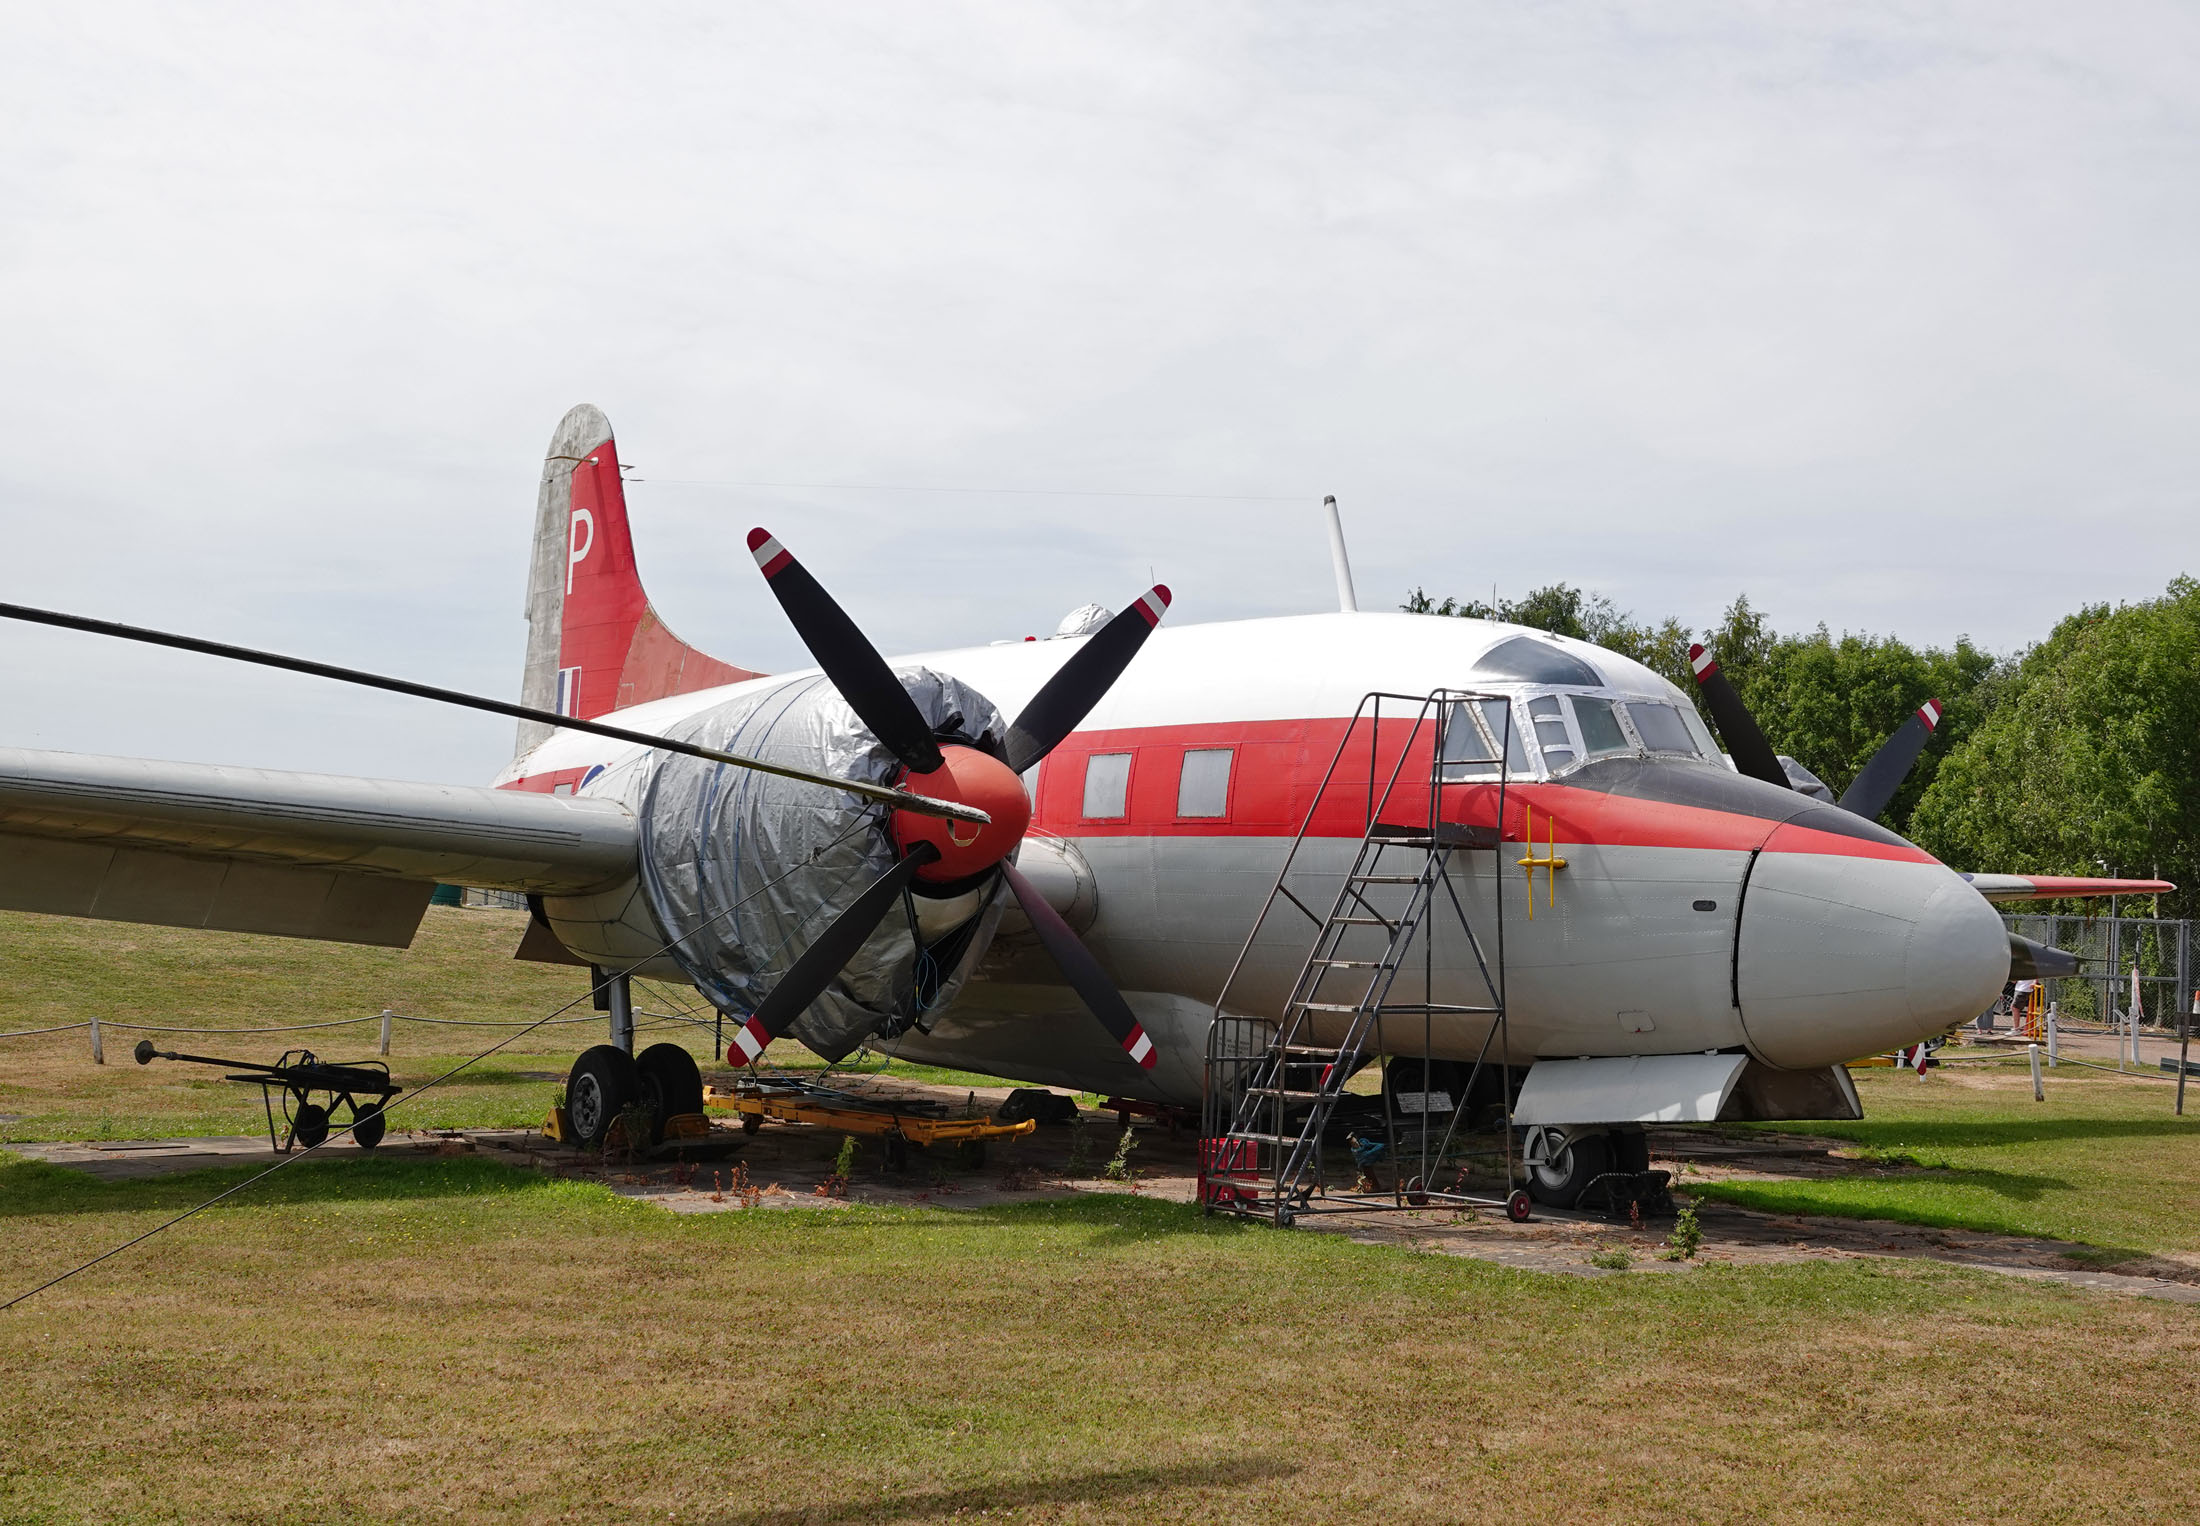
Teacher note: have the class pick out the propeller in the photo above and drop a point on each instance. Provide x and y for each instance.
(941, 852)
(1876, 782)
(1752, 754)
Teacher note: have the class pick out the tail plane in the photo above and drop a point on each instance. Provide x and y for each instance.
(594, 643)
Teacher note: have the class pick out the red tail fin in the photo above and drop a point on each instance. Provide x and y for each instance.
(594, 643)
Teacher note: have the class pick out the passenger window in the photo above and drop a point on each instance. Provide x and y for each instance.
(1552, 738)
(1107, 785)
(1600, 732)
(1204, 787)
(1660, 727)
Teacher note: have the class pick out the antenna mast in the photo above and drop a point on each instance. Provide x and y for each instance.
(1346, 599)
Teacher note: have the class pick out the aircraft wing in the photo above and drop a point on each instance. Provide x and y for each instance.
(2057, 887)
(304, 855)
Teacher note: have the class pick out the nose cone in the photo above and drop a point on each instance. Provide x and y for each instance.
(968, 777)
(1845, 954)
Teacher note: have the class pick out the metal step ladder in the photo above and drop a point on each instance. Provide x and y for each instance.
(1274, 1088)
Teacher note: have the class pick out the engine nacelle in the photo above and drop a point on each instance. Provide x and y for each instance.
(740, 869)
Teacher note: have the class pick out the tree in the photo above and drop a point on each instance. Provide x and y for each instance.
(2087, 757)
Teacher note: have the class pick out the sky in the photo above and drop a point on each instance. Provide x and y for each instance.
(1887, 315)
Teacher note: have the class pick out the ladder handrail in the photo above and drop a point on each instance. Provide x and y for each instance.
(1246, 1107)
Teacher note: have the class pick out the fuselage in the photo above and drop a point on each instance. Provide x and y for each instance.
(1696, 909)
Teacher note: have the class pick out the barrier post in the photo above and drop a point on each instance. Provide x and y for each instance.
(2053, 1058)
(2184, 1045)
(2039, 1092)
(386, 1016)
(99, 1050)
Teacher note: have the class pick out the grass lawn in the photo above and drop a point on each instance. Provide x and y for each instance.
(372, 1340)
(459, 969)
(2102, 1160)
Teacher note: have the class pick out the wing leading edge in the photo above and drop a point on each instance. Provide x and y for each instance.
(302, 855)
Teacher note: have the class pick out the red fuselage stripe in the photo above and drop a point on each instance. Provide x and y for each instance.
(1277, 768)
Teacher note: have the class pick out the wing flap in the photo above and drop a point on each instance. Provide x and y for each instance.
(116, 884)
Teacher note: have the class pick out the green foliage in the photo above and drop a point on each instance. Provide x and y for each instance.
(1119, 1165)
(2088, 758)
(1616, 1259)
(1687, 1237)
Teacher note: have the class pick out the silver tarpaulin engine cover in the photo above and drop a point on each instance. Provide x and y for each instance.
(715, 838)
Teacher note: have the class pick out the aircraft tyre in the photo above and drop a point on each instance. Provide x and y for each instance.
(368, 1125)
(602, 1083)
(309, 1126)
(670, 1085)
(1562, 1163)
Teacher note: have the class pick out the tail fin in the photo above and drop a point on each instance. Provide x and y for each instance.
(594, 644)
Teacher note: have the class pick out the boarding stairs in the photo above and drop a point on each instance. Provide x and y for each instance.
(1274, 1088)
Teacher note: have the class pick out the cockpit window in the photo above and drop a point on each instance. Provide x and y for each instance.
(1660, 727)
(1552, 738)
(1540, 662)
(1600, 729)
(1471, 749)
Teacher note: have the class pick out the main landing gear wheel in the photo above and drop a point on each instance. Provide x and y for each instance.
(602, 1084)
(1561, 1165)
(670, 1085)
(368, 1125)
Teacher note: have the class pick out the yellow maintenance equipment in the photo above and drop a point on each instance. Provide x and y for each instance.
(1550, 863)
(2030, 1012)
(756, 1101)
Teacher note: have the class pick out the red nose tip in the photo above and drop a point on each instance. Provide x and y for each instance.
(968, 777)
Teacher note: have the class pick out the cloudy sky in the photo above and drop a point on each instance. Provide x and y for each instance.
(1889, 315)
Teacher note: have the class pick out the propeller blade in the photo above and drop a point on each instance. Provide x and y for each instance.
(847, 656)
(1876, 782)
(1752, 754)
(1068, 697)
(824, 958)
(1083, 972)
(899, 799)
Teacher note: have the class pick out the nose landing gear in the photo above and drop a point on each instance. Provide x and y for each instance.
(1563, 1161)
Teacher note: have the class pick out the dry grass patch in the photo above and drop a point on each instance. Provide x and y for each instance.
(380, 1340)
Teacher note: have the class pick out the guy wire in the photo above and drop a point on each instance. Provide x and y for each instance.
(594, 990)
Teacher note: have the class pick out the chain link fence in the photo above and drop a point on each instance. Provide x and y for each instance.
(2158, 947)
